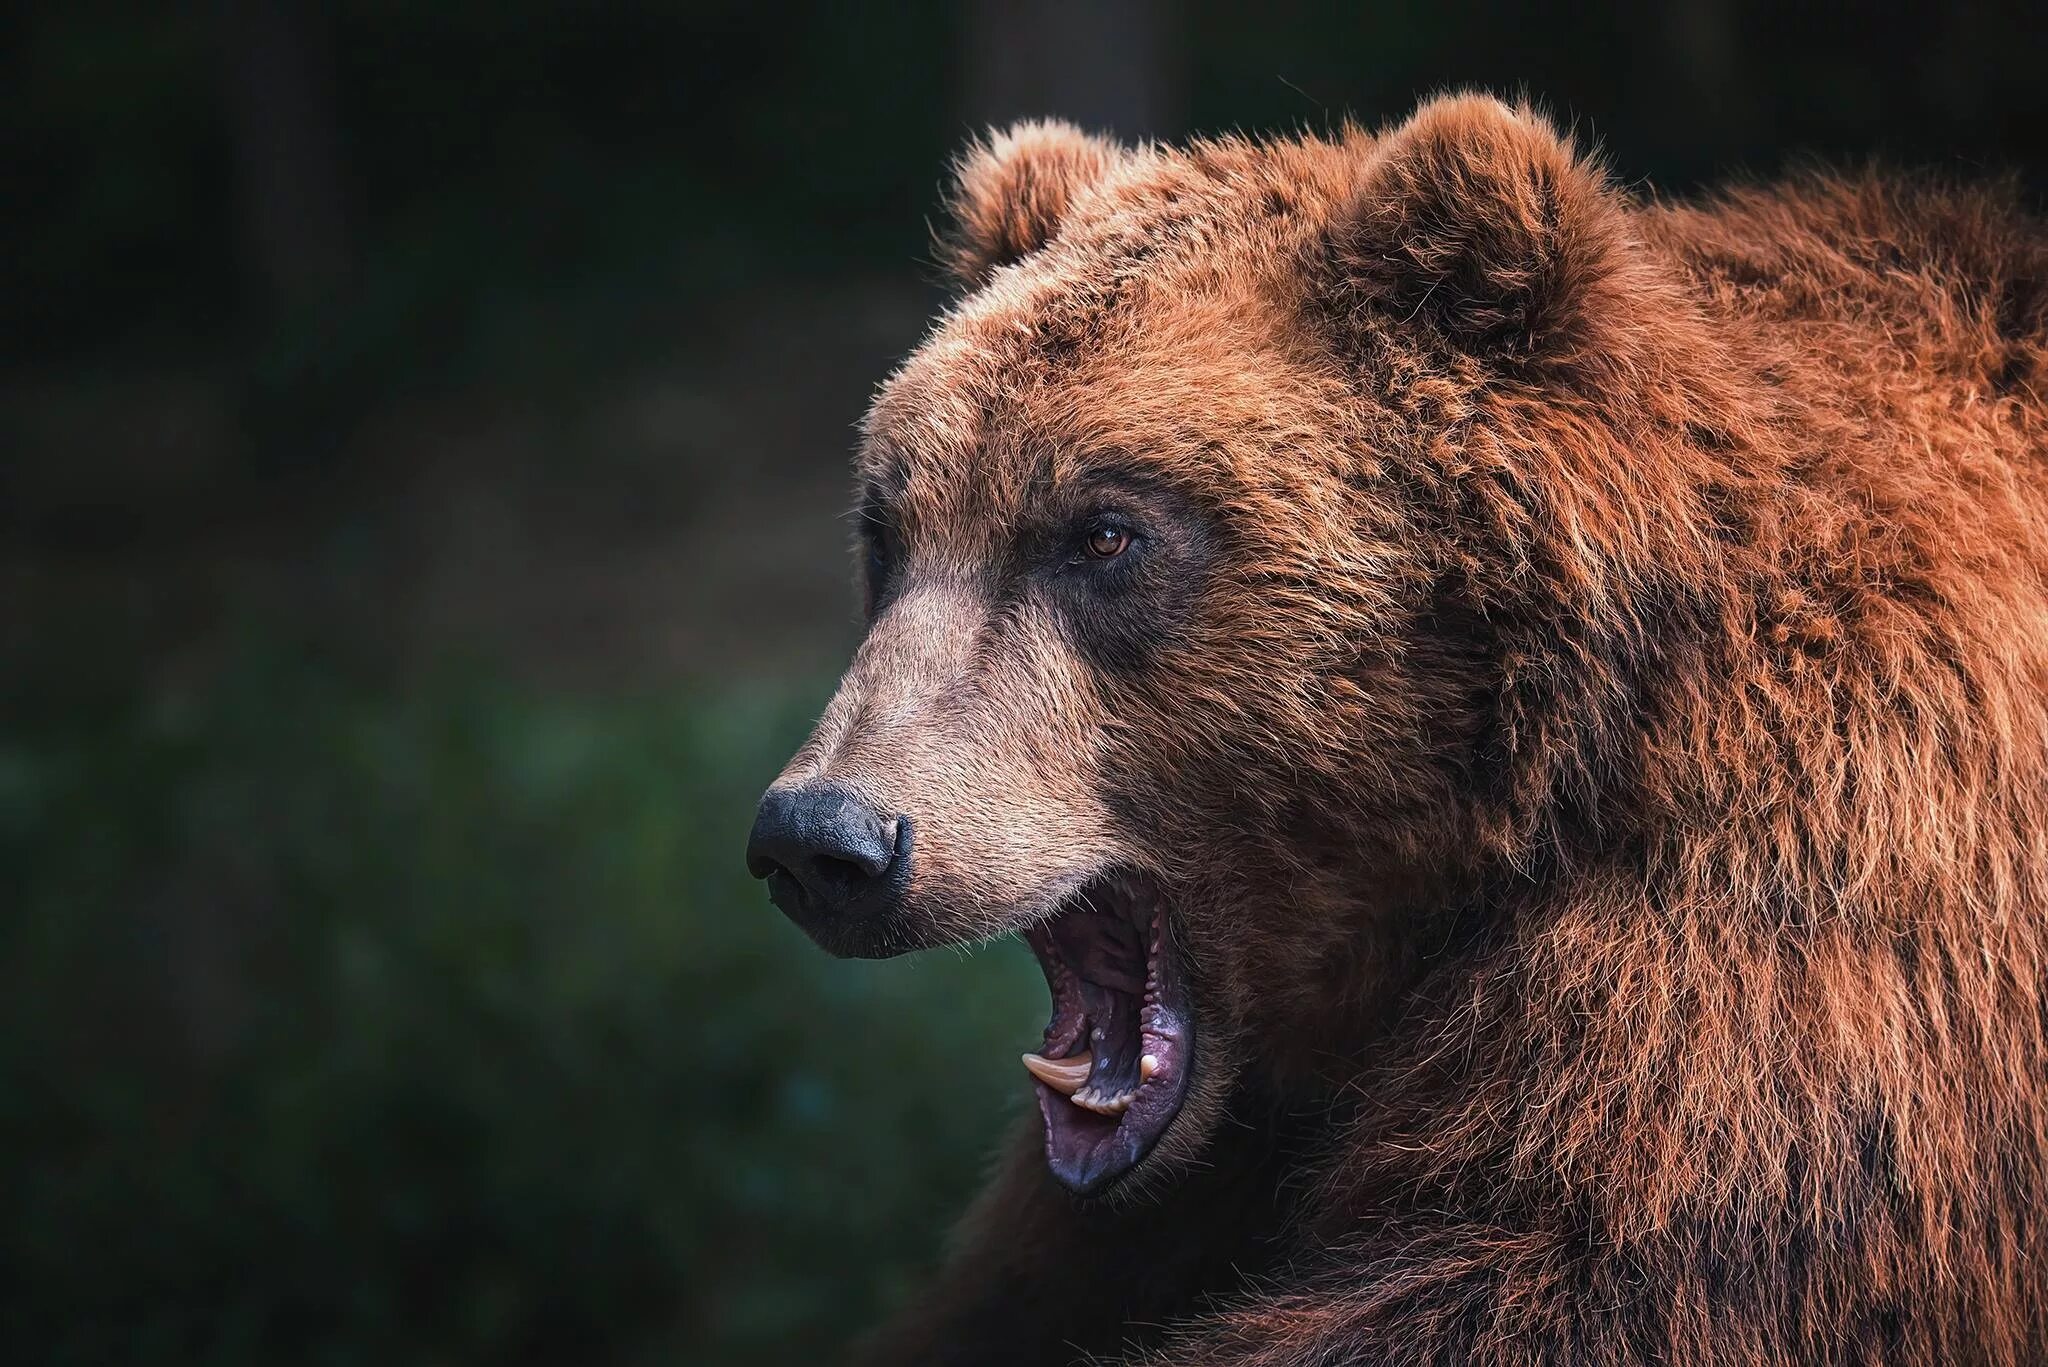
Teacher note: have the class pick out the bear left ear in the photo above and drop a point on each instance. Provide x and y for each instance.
(1011, 191)
(1483, 220)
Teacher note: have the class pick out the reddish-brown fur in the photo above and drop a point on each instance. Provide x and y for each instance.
(1598, 760)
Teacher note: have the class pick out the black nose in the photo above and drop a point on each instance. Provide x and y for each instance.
(826, 853)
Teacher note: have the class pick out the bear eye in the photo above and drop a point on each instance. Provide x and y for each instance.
(1106, 541)
(878, 534)
(881, 555)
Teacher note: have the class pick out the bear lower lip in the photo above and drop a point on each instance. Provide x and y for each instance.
(1113, 1070)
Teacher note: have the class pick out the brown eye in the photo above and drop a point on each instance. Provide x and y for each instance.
(1106, 542)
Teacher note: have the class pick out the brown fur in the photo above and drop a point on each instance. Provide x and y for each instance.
(1595, 735)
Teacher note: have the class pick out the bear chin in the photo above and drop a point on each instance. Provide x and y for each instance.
(1114, 1068)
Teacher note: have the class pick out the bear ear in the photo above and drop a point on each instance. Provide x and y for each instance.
(1484, 221)
(1011, 190)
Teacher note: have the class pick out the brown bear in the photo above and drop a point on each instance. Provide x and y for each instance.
(1514, 717)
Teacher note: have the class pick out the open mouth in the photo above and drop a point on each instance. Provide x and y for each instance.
(1114, 1068)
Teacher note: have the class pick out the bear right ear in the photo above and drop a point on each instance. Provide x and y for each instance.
(1010, 192)
(1482, 221)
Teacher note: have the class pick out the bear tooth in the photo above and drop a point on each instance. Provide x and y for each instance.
(1147, 1066)
(1063, 1075)
(1092, 1100)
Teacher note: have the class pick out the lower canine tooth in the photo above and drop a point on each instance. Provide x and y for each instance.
(1063, 1075)
(1148, 1065)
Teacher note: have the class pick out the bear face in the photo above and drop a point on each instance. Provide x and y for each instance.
(1208, 648)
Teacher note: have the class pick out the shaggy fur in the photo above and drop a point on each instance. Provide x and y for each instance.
(1588, 704)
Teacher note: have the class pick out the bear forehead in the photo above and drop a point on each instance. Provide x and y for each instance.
(1165, 320)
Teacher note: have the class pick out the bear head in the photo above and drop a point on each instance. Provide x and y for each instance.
(1254, 559)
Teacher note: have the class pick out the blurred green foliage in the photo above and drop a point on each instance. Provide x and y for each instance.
(501, 1056)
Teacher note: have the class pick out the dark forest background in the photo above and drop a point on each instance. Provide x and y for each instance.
(422, 435)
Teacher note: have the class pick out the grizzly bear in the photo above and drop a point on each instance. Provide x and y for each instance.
(1514, 717)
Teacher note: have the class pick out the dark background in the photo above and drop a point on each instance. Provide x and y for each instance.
(422, 434)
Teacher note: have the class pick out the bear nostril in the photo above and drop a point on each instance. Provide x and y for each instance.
(833, 870)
